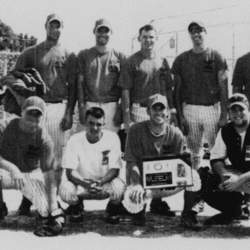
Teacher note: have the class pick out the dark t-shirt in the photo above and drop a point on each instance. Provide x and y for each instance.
(145, 77)
(199, 75)
(241, 76)
(55, 65)
(101, 72)
(26, 151)
(141, 143)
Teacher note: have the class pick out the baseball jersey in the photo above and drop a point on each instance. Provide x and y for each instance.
(144, 77)
(142, 143)
(241, 76)
(56, 67)
(26, 151)
(101, 72)
(199, 75)
(93, 160)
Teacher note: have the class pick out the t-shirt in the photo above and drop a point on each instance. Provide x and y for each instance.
(56, 67)
(93, 160)
(142, 143)
(26, 151)
(241, 76)
(144, 77)
(199, 75)
(101, 72)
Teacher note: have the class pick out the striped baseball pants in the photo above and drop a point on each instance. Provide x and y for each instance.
(158, 193)
(70, 193)
(52, 123)
(202, 121)
(33, 189)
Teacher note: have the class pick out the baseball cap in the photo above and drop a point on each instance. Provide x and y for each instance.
(196, 23)
(238, 99)
(102, 23)
(54, 17)
(157, 98)
(34, 103)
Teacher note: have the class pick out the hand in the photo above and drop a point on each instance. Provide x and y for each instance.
(137, 194)
(118, 117)
(67, 122)
(222, 121)
(17, 178)
(173, 119)
(95, 187)
(183, 126)
(127, 126)
(232, 183)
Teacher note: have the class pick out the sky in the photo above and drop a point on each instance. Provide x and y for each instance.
(125, 16)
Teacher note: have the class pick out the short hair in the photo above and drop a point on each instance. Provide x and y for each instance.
(95, 112)
(147, 27)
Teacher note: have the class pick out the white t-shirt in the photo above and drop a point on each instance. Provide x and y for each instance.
(93, 160)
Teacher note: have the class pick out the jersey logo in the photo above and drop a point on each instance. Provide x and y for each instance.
(114, 66)
(105, 157)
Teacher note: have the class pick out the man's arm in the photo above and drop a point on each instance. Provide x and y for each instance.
(80, 97)
(173, 111)
(223, 86)
(126, 109)
(111, 175)
(178, 102)
(238, 81)
(134, 175)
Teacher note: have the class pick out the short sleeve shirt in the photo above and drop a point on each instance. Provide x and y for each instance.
(93, 160)
(26, 151)
(56, 67)
(199, 75)
(101, 72)
(144, 77)
(142, 143)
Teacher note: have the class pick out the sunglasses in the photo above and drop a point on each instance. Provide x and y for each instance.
(34, 113)
(198, 31)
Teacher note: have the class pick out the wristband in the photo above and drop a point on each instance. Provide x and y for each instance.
(173, 111)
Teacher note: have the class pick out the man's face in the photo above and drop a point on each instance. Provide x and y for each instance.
(239, 116)
(102, 36)
(94, 127)
(147, 40)
(157, 114)
(197, 35)
(31, 120)
(53, 30)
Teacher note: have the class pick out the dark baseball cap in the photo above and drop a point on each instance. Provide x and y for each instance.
(102, 23)
(157, 98)
(195, 24)
(54, 17)
(34, 103)
(238, 99)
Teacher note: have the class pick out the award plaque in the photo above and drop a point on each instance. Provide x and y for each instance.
(167, 171)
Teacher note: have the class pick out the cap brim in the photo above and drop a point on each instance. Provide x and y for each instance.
(103, 26)
(34, 108)
(55, 19)
(159, 103)
(243, 105)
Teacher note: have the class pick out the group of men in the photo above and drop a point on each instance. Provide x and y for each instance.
(39, 158)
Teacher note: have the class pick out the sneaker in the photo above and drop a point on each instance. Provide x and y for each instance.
(52, 227)
(190, 221)
(121, 210)
(161, 208)
(219, 219)
(76, 215)
(24, 208)
(3, 210)
(140, 218)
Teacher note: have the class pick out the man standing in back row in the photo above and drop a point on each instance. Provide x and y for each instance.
(100, 68)
(144, 74)
(57, 69)
(201, 92)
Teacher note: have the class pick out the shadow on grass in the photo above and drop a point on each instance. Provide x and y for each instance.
(156, 227)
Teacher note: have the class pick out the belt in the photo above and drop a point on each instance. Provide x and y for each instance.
(54, 102)
(139, 105)
(206, 104)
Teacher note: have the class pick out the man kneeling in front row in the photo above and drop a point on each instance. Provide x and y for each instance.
(151, 139)
(26, 149)
(92, 162)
